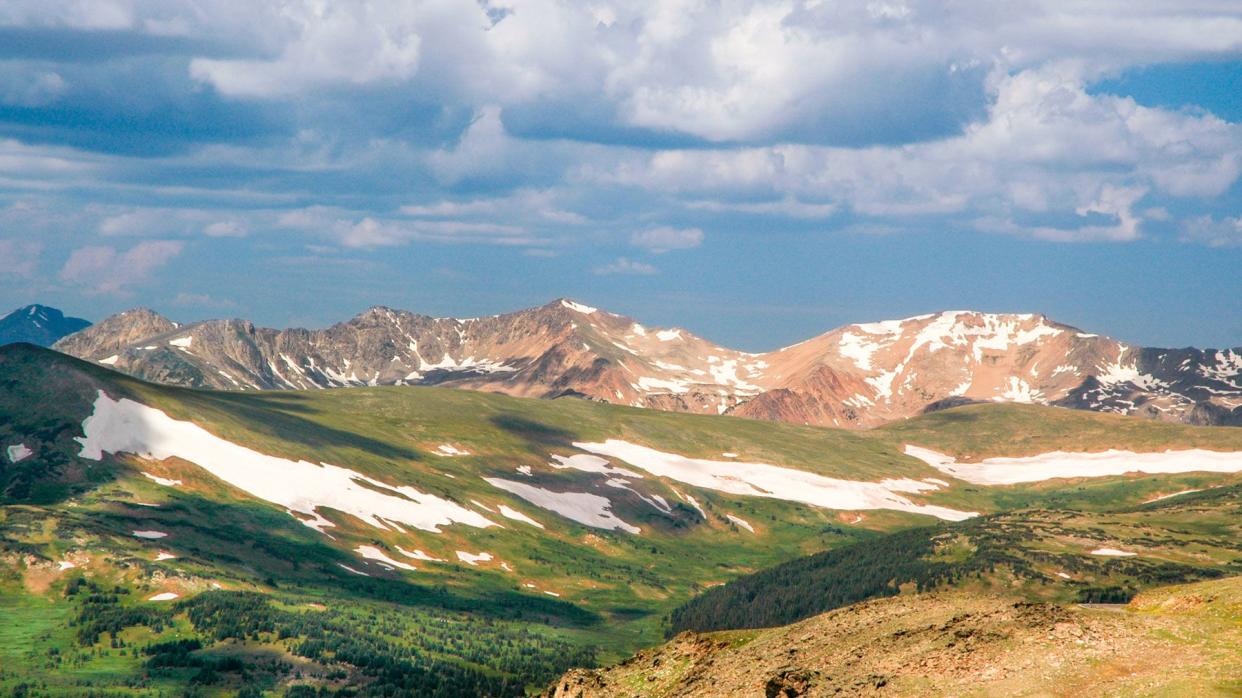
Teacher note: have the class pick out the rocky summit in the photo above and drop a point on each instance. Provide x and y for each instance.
(856, 376)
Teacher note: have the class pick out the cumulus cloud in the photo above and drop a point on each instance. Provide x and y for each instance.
(104, 269)
(323, 44)
(1047, 147)
(21, 257)
(1225, 232)
(369, 232)
(664, 238)
(625, 265)
(522, 124)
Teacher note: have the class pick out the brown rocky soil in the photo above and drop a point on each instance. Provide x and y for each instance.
(1177, 641)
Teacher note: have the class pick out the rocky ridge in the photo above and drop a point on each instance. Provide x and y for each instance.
(855, 376)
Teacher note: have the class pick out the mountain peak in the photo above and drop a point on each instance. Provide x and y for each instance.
(38, 324)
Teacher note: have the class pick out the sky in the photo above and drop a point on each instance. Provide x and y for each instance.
(758, 172)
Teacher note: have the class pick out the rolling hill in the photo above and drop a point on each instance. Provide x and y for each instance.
(1180, 640)
(493, 541)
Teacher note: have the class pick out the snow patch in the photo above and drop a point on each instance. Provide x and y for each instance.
(668, 335)
(18, 453)
(150, 535)
(371, 552)
(740, 522)
(510, 513)
(125, 426)
(161, 480)
(588, 463)
(110, 361)
(164, 596)
(347, 568)
(1112, 552)
(65, 565)
(473, 559)
(775, 482)
(161, 556)
(418, 555)
(578, 307)
(1169, 496)
(183, 342)
(583, 507)
(1060, 464)
(450, 450)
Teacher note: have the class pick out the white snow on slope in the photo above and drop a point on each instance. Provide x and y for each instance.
(18, 453)
(161, 480)
(764, 480)
(110, 361)
(150, 535)
(668, 335)
(583, 507)
(347, 568)
(162, 556)
(588, 463)
(418, 555)
(165, 596)
(450, 450)
(371, 552)
(1112, 552)
(578, 307)
(184, 342)
(125, 426)
(65, 565)
(516, 515)
(858, 348)
(740, 522)
(1170, 496)
(1046, 466)
(473, 559)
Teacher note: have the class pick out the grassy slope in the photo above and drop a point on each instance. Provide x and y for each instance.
(1042, 553)
(614, 587)
(1176, 641)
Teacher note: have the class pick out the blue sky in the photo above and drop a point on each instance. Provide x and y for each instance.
(758, 172)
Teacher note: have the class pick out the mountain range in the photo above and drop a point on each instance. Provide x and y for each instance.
(856, 376)
(38, 325)
(414, 540)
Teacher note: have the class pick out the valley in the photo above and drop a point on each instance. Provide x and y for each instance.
(572, 531)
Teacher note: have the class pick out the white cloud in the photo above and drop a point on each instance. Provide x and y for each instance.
(368, 232)
(1047, 147)
(664, 238)
(104, 269)
(323, 44)
(1207, 230)
(624, 265)
(226, 229)
(788, 206)
(20, 257)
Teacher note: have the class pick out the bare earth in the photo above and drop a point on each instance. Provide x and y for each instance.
(1176, 641)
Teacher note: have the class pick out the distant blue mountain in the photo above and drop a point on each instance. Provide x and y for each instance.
(38, 324)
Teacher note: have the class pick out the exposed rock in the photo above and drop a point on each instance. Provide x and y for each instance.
(855, 376)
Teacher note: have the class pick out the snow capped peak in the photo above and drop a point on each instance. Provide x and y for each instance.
(578, 307)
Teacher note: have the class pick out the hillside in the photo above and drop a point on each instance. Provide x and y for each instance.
(1181, 640)
(1053, 554)
(39, 325)
(856, 376)
(557, 528)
